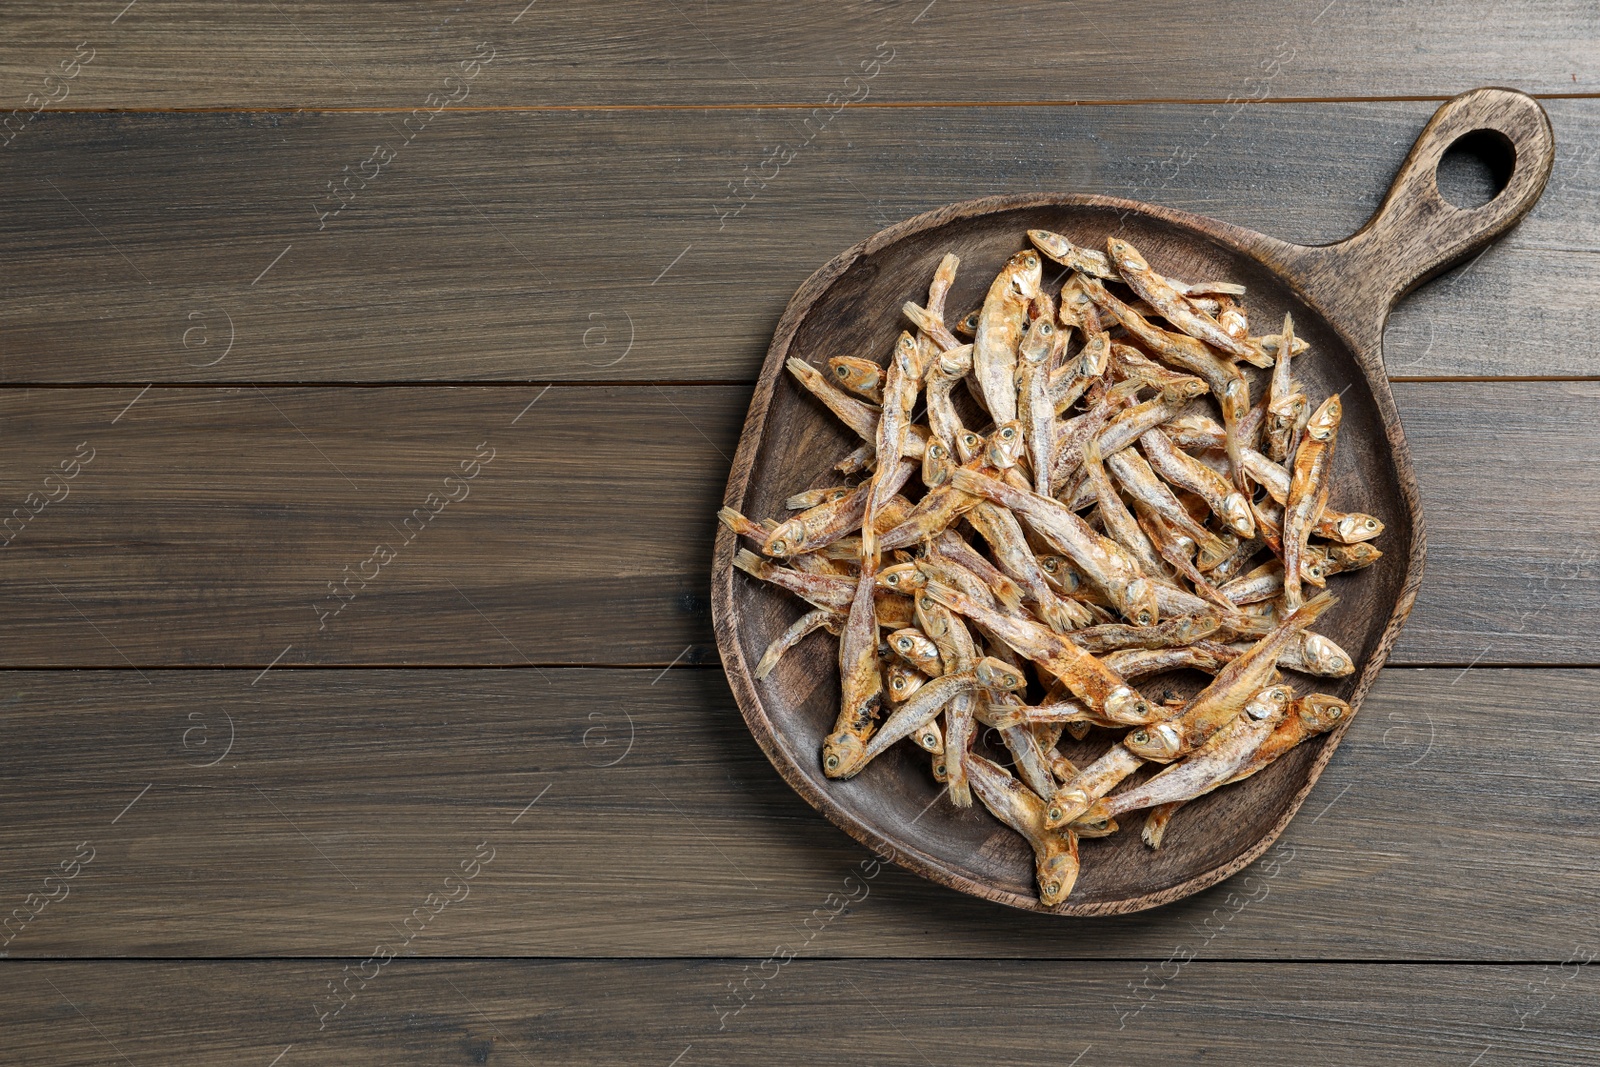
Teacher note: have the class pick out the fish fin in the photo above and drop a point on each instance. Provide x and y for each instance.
(1311, 610)
(741, 525)
(751, 563)
(1008, 593)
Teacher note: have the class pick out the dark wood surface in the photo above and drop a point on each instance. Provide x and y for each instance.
(348, 796)
(463, 260)
(560, 224)
(261, 53)
(564, 1012)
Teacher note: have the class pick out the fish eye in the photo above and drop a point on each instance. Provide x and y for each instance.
(842, 371)
(778, 547)
(832, 763)
(1052, 889)
(1054, 813)
(1336, 663)
(1140, 737)
(938, 769)
(1337, 712)
(1008, 433)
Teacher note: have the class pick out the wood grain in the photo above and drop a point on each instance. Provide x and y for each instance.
(883, 1012)
(210, 521)
(372, 54)
(525, 246)
(660, 829)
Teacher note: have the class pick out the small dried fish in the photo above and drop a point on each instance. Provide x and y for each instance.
(1055, 853)
(1000, 326)
(1308, 493)
(810, 622)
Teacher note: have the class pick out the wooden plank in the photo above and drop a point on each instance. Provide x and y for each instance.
(603, 245)
(309, 812)
(209, 523)
(249, 526)
(327, 53)
(882, 1012)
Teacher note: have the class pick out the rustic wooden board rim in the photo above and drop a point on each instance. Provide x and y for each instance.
(1317, 276)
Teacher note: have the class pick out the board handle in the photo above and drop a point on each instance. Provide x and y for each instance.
(1416, 233)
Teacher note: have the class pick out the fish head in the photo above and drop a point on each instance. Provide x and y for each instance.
(1269, 704)
(1096, 355)
(1235, 399)
(969, 446)
(1124, 253)
(908, 355)
(1161, 742)
(856, 373)
(1325, 420)
(954, 364)
(1235, 512)
(1321, 712)
(1066, 806)
(998, 674)
(929, 739)
(1357, 527)
(916, 648)
(1096, 815)
(1035, 345)
(1060, 572)
(786, 540)
(1126, 705)
(1024, 269)
(1327, 658)
(1005, 445)
(1057, 871)
(904, 681)
(1356, 556)
(902, 578)
(1093, 823)
(937, 463)
(1139, 602)
(842, 754)
(1054, 244)
(968, 323)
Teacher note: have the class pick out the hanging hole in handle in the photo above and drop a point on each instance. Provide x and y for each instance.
(1476, 168)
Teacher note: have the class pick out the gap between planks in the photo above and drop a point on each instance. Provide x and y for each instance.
(1152, 101)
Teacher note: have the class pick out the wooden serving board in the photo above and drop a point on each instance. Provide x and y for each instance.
(1340, 296)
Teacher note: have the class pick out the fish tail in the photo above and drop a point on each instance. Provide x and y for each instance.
(1311, 610)
(739, 524)
(751, 563)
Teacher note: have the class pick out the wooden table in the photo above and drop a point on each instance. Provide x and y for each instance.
(361, 704)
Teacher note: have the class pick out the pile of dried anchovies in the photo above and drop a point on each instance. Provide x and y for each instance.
(1090, 400)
